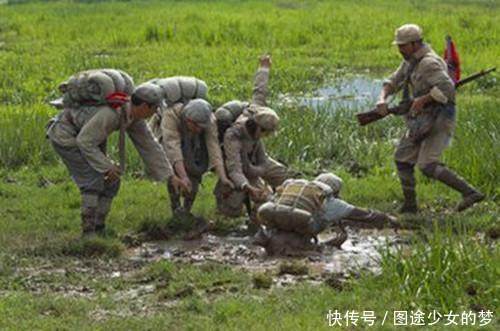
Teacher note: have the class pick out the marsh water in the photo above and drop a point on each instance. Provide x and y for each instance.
(360, 252)
(347, 92)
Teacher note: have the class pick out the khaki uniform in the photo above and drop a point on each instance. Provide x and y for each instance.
(301, 209)
(245, 158)
(198, 152)
(426, 73)
(79, 136)
(88, 128)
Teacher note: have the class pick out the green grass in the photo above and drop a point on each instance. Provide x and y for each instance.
(452, 264)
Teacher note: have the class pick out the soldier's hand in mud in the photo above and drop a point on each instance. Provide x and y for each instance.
(177, 184)
(255, 193)
(265, 61)
(382, 108)
(113, 174)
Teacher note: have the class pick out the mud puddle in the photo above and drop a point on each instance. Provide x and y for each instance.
(345, 92)
(361, 252)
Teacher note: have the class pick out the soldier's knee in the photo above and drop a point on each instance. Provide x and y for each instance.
(404, 166)
(111, 189)
(429, 169)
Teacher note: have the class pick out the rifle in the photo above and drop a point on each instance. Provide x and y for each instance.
(403, 107)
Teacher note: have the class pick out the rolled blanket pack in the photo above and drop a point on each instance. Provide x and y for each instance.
(92, 87)
(181, 89)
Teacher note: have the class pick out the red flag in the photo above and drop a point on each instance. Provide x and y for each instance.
(452, 60)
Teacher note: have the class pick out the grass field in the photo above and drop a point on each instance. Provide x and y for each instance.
(453, 263)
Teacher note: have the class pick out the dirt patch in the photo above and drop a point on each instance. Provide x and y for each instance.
(360, 252)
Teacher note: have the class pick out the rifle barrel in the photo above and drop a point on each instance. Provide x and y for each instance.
(474, 76)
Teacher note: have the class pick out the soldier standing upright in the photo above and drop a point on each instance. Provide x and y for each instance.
(423, 76)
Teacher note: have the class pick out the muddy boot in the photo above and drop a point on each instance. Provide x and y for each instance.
(88, 213)
(88, 221)
(188, 203)
(470, 195)
(175, 200)
(102, 212)
(407, 179)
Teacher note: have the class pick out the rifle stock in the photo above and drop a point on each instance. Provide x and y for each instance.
(372, 115)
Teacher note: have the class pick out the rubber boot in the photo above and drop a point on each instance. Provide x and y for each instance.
(175, 200)
(102, 212)
(88, 214)
(470, 195)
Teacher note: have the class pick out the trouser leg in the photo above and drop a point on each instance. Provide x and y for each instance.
(407, 178)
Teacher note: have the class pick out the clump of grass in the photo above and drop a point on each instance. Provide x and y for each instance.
(293, 268)
(177, 292)
(94, 247)
(154, 229)
(262, 280)
(152, 33)
(160, 271)
(441, 269)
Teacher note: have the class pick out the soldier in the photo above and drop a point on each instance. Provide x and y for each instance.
(190, 140)
(301, 209)
(79, 135)
(246, 161)
(423, 76)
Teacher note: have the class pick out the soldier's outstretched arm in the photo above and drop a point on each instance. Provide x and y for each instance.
(93, 134)
(215, 153)
(150, 150)
(372, 218)
(260, 90)
(234, 166)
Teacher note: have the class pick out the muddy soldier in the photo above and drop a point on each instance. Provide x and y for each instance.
(79, 135)
(423, 76)
(301, 209)
(190, 139)
(248, 165)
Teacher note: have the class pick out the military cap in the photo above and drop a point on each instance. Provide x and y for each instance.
(149, 93)
(331, 180)
(406, 34)
(198, 111)
(266, 119)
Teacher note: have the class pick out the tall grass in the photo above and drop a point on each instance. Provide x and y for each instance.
(445, 271)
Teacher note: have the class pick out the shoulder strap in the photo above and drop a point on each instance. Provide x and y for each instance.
(406, 87)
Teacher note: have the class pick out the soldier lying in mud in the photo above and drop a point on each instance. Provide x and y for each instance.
(301, 209)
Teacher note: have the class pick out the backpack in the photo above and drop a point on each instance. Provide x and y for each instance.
(176, 89)
(181, 89)
(96, 87)
(227, 114)
(297, 207)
